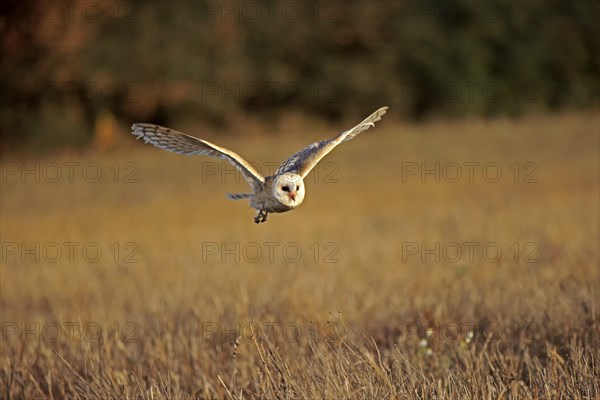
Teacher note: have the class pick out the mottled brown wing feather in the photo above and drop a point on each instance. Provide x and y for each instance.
(177, 142)
(305, 160)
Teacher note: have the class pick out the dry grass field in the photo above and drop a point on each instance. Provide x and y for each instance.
(444, 260)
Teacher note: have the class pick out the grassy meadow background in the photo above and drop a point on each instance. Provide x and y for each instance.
(449, 253)
(181, 322)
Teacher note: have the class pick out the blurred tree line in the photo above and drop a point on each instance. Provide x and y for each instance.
(72, 68)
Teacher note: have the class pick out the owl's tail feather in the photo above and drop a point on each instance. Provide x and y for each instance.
(239, 196)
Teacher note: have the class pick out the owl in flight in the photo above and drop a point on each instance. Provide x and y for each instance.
(279, 193)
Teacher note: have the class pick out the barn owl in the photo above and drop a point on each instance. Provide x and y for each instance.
(278, 193)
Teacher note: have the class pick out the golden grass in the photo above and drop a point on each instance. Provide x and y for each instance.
(380, 322)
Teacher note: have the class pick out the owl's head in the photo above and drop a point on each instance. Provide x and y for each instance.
(288, 189)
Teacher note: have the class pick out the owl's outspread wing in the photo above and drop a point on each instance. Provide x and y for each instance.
(177, 142)
(305, 160)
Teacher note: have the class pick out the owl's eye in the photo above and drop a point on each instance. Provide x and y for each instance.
(285, 188)
(297, 188)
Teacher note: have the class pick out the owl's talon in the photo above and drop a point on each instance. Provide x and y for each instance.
(260, 217)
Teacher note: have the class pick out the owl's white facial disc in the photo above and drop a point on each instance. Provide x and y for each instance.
(288, 189)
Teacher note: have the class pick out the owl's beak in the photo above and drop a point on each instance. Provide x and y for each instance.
(292, 195)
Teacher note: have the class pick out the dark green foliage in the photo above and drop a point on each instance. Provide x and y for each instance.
(163, 61)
